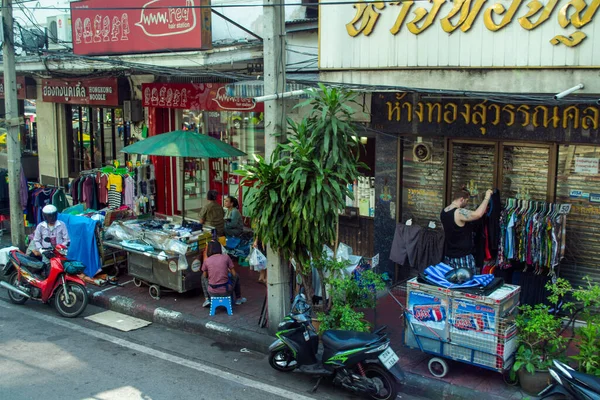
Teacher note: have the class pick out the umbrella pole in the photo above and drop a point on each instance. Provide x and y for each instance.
(182, 191)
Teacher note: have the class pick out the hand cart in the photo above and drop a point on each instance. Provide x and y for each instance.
(473, 329)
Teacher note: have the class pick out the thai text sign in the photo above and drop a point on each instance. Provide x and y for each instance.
(407, 113)
(466, 33)
(140, 26)
(586, 165)
(100, 91)
(196, 96)
(21, 92)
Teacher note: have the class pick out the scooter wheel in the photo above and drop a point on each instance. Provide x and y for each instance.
(73, 302)
(388, 388)
(283, 360)
(438, 367)
(15, 297)
(154, 291)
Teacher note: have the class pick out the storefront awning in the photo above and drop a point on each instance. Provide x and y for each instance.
(256, 88)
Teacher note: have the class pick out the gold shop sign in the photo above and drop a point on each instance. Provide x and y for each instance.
(405, 113)
(463, 14)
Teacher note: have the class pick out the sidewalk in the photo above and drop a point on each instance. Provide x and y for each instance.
(185, 312)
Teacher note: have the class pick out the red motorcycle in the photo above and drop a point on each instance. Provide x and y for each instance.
(27, 279)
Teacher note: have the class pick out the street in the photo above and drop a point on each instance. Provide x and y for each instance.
(44, 356)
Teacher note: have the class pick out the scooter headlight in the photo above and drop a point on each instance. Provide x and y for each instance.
(555, 376)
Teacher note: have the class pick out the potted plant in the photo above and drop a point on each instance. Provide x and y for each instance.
(540, 342)
(347, 295)
(542, 335)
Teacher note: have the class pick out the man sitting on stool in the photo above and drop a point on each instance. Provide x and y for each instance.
(219, 278)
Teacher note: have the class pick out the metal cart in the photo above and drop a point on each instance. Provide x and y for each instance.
(473, 329)
(160, 272)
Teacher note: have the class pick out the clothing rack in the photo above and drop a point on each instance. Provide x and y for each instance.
(533, 233)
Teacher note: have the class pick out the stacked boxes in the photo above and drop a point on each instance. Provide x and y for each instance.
(475, 329)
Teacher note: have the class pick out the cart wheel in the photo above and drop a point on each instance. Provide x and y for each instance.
(137, 282)
(154, 291)
(438, 367)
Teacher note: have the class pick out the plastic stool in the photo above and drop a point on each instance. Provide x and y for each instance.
(220, 302)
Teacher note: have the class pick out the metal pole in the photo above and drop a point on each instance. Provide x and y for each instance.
(102, 138)
(113, 133)
(80, 141)
(92, 121)
(278, 294)
(17, 227)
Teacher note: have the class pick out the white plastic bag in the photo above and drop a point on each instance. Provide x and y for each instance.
(257, 260)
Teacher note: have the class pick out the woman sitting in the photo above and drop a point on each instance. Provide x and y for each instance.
(219, 278)
(233, 219)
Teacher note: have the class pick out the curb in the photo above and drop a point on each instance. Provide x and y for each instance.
(185, 322)
(415, 384)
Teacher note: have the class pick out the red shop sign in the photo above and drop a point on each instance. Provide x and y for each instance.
(93, 92)
(140, 26)
(196, 96)
(21, 92)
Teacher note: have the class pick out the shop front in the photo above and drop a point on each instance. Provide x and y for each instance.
(91, 116)
(205, 108)
(26, 94)
(543, 156)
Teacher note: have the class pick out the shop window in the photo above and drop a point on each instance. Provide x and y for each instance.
(525, 172)
(578, 183)
(97, 136)
(422, 180)
(243, 130)
(473, 168)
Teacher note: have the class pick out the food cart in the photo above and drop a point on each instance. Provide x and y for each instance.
(160, 258)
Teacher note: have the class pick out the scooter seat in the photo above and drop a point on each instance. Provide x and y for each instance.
(345, 340)
(590, 381)
(30, 262)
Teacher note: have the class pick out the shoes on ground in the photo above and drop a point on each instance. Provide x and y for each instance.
(240, 301)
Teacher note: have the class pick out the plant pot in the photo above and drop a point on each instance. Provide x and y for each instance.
(316, 323)
(534, 383)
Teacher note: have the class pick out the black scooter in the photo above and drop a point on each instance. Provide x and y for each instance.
(360, 362)
(571, 384)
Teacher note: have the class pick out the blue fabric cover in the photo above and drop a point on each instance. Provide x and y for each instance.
(83, 246)
(436, 275)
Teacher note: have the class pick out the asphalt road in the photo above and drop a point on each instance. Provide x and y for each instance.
(44, 356)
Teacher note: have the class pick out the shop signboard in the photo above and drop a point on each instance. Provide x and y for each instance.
(458, 33)
(21, 90)
(196, 96)
(586, 165)
(483, 119)
(140, 26)
(90, 92)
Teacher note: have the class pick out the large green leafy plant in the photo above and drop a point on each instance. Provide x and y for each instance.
(542, 330)
(298, 193)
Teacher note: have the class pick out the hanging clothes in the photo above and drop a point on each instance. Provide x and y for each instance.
(532, 234)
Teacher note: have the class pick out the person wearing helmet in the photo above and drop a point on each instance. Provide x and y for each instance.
(458, 230)
(51, 228)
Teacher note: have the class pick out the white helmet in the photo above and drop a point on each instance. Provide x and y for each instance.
(50, 213)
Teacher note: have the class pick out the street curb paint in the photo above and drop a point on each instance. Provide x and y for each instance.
(176, 320)
(430, 388)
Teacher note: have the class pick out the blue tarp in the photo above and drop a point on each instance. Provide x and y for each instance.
(83, 246)
(436, 274)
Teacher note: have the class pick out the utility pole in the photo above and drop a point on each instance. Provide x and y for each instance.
(275, 123)
(11, 106)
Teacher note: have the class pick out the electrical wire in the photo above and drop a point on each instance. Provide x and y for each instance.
(259, 4)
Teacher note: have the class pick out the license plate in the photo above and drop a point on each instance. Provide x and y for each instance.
(388, 358)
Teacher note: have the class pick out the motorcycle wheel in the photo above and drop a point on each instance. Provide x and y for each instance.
(14, 297)
(74, 304)
(283, 360)
(389, 391)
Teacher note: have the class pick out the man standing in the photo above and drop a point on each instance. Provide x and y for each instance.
(459, 232)
(212, 214)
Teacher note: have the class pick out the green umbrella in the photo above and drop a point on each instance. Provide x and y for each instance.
(183, 144)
